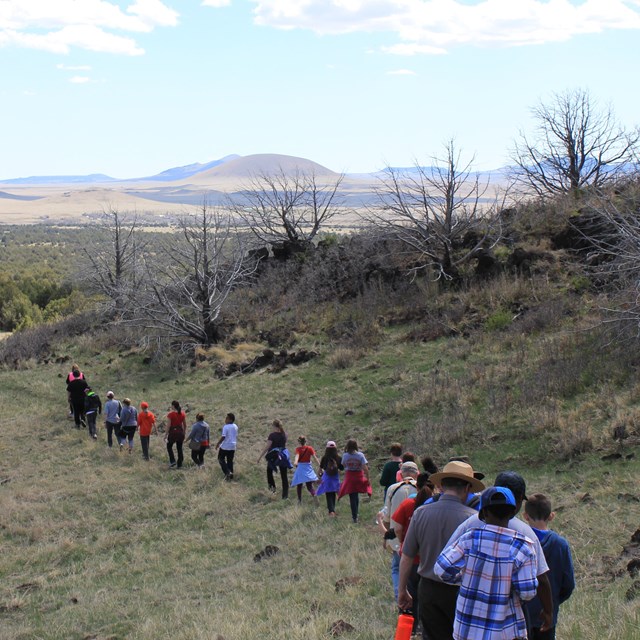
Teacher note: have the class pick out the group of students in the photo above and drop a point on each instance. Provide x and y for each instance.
(353, 462)
(462, 562)
(123, 420)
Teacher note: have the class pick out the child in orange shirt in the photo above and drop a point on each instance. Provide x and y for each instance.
(147, 425)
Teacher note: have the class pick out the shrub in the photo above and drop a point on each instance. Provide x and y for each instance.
(498, 320)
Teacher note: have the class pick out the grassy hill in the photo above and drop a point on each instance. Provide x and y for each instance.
(99, 544)
(516, 373)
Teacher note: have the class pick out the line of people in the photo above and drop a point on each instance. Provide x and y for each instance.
(462, 562)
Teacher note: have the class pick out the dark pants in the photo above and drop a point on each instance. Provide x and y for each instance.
(331, 501)
(91, 422)
(309, 486)
(178, 444)
(549, 634)
(354, 503)
(144, 443)
(413, 584)
(225, 458)
(284, 474)
(126, 435)
(78, 410)
(112, 429)
(197, 455)
(437, 605)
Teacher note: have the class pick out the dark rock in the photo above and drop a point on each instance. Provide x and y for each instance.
(620, 432)
(269, 551)
(633, 567)
(611, 456)
(351, 581)
(634, 591)
(339, 627)
(628, 497)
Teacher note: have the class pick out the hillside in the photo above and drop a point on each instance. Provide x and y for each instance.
(509, 372)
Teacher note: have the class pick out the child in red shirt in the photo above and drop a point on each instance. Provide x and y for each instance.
(304, 473)
(147, 425)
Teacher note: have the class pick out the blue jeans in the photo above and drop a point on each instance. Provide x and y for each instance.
(395, 573)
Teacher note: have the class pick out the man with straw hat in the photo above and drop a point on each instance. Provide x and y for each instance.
(429, 531)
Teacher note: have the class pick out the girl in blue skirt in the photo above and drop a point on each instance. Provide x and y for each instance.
(330, 467)
(304, 473)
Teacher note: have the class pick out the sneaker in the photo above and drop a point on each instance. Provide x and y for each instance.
(272, 489)
(172, 464)
(230, 476)
(94, 436)
(121, 446)
(332, 514)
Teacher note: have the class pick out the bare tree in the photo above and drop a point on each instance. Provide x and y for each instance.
(116, 270)
(280, 207)
(576, 145)
(613, 237)
(437, 212)
(193, 276)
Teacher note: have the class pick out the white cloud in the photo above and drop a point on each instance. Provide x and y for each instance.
(435, 26)
(94, 25)
(80, 67)
(216, 3)
(402, 72)
(79, 80)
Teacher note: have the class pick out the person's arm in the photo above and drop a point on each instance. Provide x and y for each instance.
(568, 583)
(544, 593)
(365, 468)
(405, 601)
(450, 563)
(220, 441)
(295, 460)
(264, 450)
(523, 580)
(315, 457)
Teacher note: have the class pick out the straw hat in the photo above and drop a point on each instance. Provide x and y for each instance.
(460, 471)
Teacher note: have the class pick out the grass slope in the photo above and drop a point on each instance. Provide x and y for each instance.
(98, 544)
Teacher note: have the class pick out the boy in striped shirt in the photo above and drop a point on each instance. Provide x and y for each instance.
(497, 570)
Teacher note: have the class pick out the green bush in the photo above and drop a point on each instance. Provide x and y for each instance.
(498, 320)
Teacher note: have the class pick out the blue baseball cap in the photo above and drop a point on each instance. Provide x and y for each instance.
(494, 496)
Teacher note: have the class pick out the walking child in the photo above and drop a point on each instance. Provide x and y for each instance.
(92, 409)
(304, 473)
(147, 426)
(226, 446)
(330, 467)
(538, 513)
(112, 409)
(497, 570)
(129, 424)
(356, 477)
(198, 440)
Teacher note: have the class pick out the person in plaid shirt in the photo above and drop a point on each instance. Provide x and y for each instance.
(497, 569)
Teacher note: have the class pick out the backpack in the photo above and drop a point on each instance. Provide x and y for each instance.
(332, 467)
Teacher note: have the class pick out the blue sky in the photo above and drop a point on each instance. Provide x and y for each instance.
(132, 87)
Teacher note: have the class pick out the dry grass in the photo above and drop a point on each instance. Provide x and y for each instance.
(104, 545)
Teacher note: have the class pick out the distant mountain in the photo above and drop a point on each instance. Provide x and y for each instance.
(178, 173)
(94, 178)
(262, 163)
(169, 175)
